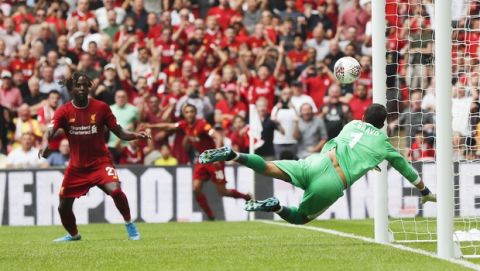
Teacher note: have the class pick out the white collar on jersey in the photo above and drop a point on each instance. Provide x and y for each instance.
(78, 107)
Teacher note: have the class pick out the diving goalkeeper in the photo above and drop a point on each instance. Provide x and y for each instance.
(359, 147)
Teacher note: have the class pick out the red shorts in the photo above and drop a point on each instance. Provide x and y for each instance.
(214, 172)
(77, 181)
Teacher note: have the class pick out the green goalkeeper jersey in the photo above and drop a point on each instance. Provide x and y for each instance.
(360, 147)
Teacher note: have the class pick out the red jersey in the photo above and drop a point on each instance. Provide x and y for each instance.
(238, 108)
(419, 152)
(316, 87)
(83, 16)
(199, 133)
(298, 57)
(262, 88)
(224, 16)
(84, 128)
(27, 67)
(131, 156)
(358, 107)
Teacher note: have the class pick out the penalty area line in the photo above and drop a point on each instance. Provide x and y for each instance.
(371, 240)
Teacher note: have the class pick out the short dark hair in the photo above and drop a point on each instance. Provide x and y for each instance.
(189, 105)
(72, 81)
(375, 115)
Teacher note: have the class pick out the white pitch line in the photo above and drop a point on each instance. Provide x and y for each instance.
(370, 240)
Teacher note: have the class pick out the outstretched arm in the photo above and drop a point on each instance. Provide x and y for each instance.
(402, 166)
(127, 135)
(163, 126)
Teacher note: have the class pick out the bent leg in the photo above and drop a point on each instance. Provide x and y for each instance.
(259, 165)
(202, 199)
(119, 198)
(232, 193)
(65, 209)
(293, 215)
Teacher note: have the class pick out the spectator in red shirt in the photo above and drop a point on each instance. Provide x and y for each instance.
(298, 55)
(132, 154)
(154, 114)
(23, 62)
(223, 12)
(421, 149)
(10, 96)
(82, 13)
(230, 107)
(317, 80)
(239, 136)
(355, 16)
(359, 102)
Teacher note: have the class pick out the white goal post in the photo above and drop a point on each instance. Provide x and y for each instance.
(444, 235)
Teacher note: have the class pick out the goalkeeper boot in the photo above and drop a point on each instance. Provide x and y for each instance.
(215, 155)
(132, 231)
(267, 205)
(68, 238)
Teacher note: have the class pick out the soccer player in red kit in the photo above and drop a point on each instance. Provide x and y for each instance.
(201, 135)
(84, 120)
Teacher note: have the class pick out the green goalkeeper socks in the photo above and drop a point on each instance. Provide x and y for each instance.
(292, 215)
(252, 161)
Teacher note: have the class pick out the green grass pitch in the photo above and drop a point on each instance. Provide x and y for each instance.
(209, 246)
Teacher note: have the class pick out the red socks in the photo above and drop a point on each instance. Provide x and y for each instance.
(69, 222)
(202, 201)
(235, 194)
(121, 202)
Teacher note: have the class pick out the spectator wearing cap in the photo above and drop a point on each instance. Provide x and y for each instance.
(226, 109)
(102, 14)
(61, 157)
(359, 102)
(299, 97)
(75, 42)
(310, 131)
(25, 156)
(107, 88)
(10, 96)
(11, 38)
(318, 42)
(47, 84)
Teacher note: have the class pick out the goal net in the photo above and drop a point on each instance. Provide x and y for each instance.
(412, 118)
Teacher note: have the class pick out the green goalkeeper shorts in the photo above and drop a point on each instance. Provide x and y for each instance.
(317, 176)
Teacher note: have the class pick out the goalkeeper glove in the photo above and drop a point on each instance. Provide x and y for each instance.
(427, 195)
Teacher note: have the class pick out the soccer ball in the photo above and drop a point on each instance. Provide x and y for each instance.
(346, 70)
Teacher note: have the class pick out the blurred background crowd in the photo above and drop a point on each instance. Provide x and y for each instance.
(148, 58)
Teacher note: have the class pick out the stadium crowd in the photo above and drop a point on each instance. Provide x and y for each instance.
(149, 58)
